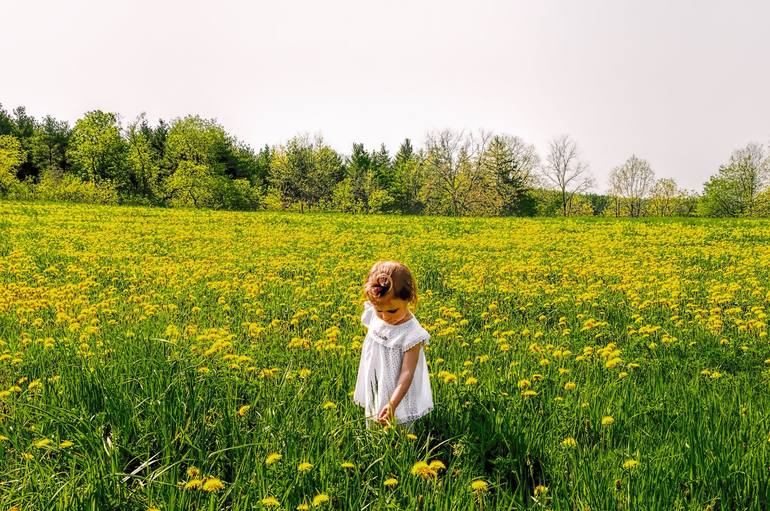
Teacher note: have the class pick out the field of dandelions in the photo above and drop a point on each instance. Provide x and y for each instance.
(157, 359)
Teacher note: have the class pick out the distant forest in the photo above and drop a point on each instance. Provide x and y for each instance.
(194, 162)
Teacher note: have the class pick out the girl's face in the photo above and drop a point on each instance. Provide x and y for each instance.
(392, 310)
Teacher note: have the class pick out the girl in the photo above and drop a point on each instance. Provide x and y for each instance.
(392, 374)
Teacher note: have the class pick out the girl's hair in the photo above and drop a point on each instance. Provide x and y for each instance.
(390, 279)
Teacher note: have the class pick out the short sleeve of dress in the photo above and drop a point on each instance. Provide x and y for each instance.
(367, 315)
(415, 337)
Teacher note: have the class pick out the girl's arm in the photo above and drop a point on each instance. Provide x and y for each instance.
(408, 365)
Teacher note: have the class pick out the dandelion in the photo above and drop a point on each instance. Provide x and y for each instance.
(570, 385)
(320, 499)
(329, 405)
(193, 472)
(540, 490)
(28, 456)
(3, 438)
(629, 464)
(423, 470)
(569, 442)
(243, 409)
(479, 486)
(42, 443)
(716, 374)
(471, 381)
(304, 466)
(303, 507)
(523, 384)
(272, 458)
(411, 436)
(529, 393)
(193, 484)
(270, 502)
(212, 484)
(607, 420)
(437, 465)
(64, 444)
(391, 481)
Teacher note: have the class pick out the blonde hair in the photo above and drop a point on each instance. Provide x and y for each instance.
(390, 279)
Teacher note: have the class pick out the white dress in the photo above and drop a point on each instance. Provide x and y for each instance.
(381, 355)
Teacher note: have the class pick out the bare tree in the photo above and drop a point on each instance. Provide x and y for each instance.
(633, 181)
(564, 169)
(456, 178)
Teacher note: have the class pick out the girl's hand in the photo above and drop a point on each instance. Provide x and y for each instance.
(386, 414)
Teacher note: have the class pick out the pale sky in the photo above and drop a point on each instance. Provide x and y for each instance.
(681, 83)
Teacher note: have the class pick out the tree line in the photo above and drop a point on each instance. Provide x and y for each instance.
(194, 162)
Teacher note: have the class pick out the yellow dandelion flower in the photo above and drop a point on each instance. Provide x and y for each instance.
(304, 466)
(242, 410)
(193, 484)
(437, 465)
(529, 393)
(716, 374)
(193, 472)
(569, 442)
(570, 385)
(411, 436)
(42, 443)
(471, 381)
(64, 444)
(540, 490)
(423, 470)
(212, 484)
(303, 507)
(320, 499)
(629, 464)
(270, 502)
(28, 456)
(347, 464)
(272, 458)
(391, 481)
(479, 486)
(523, 384)
(329, 405)
(3, 438)
(607, 420)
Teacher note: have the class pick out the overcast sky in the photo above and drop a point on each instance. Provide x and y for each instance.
(680, 83)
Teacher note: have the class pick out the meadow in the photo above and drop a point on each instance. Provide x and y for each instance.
(155, 359)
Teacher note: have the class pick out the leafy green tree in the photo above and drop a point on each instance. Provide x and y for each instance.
(735, 188)
(11, 158)
(6, 122)
(97, 150)
(409, 174)
(143, 158)
(49, 144)
(305, 171)
(510, 164)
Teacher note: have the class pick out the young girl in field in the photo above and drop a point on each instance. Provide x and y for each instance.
(392, 374)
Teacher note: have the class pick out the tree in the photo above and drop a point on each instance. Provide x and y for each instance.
(11, 157)
(565, 171)
(49, 144)
(511, 163)
(632, 181)
(734, 190)
(143, 158)
(305, 171)
(456, 183)
(409, 176)
(97, 150)
(663, 197)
